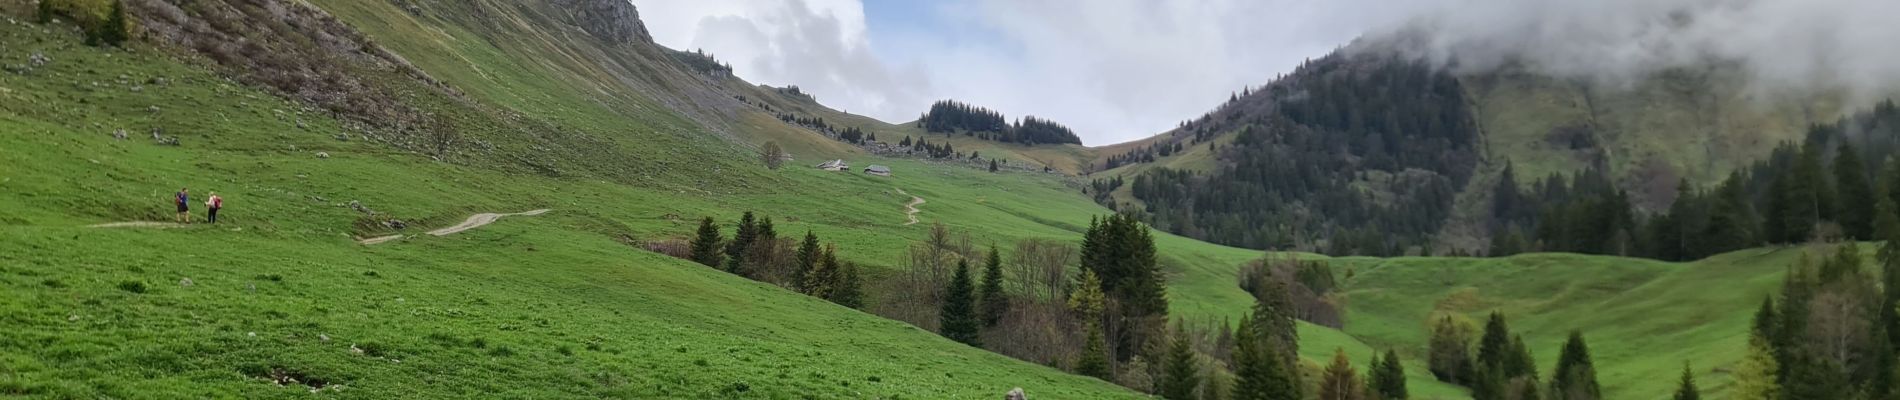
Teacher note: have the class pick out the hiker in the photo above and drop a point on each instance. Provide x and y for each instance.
(184, 205)
(214, 203)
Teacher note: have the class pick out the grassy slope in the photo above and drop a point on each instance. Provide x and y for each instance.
(1691, 124)
(1642, 318)
(540, 266)
(488, 284)
(541, 288)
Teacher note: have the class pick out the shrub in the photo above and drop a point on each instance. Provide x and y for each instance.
(675, 248)
(132, 286)
(44, 14)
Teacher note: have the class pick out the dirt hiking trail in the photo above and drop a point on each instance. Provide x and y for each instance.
(138, 224)
(910, 209)
(473, 221)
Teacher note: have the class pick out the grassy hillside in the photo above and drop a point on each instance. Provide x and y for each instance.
(559, 305)
(553, 303)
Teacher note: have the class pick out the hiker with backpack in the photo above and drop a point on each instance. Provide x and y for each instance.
(184, 205)
(214, 203)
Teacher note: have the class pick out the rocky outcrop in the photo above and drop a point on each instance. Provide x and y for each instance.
(612, 21)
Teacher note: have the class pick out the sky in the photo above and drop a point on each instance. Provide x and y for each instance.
(1119, 70)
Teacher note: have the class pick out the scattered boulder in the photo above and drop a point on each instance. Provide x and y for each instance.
(119, 134)
(322, 154)
(359, 207)
(185, 282)
(1015, 394)
(152, 109)
(38, 59)
(396, 224)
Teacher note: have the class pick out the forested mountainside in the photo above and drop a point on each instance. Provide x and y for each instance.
(1363, 153)
(1322, 159)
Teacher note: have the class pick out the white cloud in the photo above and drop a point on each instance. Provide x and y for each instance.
(1785, 44)
(1117, 70)
(819, 45)
(1114, 70)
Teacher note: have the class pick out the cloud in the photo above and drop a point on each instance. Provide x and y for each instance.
(1784, 44)
(1117, 70)
(819, 45)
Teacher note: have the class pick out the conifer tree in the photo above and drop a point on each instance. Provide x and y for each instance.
(1576, 376)
(1259, 373)
(1757, 377)
(706, 244)
(1520, 364)
(849, 291)
(1487, 385)
(117, 29)
(959, 319)
(1087, 302)
(741, 241)
(1685, 389)
(766, 231)
(807, 260)
(1181, 375)
(992, 165)
(1495, 345)
(824, 277)
(44, 12)
(1388, 378)
(995, 302)
(1449, 352)
(1341, 381)
(1856, 196)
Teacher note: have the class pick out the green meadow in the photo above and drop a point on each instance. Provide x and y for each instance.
(279, 300)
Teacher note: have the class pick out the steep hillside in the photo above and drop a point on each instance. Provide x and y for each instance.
(553, 305)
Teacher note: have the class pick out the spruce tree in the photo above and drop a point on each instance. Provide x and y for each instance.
(992, 165)
(1259, 373)
(849, 291)
(1520, 364)
(995, 302)
(1757, 376)
(1340, 381)
(1495, 345)
(1087, 302)
(1181, 375)
(1389, 377)
(1887, 231)
(824, 277)
(958, 318)
(807, 260)
(1487, 385)
(1449, 352)
(706, 244)
(117, 29)
(1576, 376)
(1685, 389)
(741, 240)
(1856, 200)
(44, 12)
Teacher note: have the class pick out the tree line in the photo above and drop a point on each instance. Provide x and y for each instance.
(950, 116)
(755, 251)
(1832, 331)
(1822, 188)
(1371, 150)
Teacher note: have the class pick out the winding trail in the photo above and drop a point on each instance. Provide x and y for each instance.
(473, 221)
(910, 209)
(138, 224)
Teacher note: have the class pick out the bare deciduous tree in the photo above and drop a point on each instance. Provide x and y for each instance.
(1040, 268)
(916, 290)
(773, 155)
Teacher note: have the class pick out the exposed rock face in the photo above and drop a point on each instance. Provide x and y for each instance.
(613, 21)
